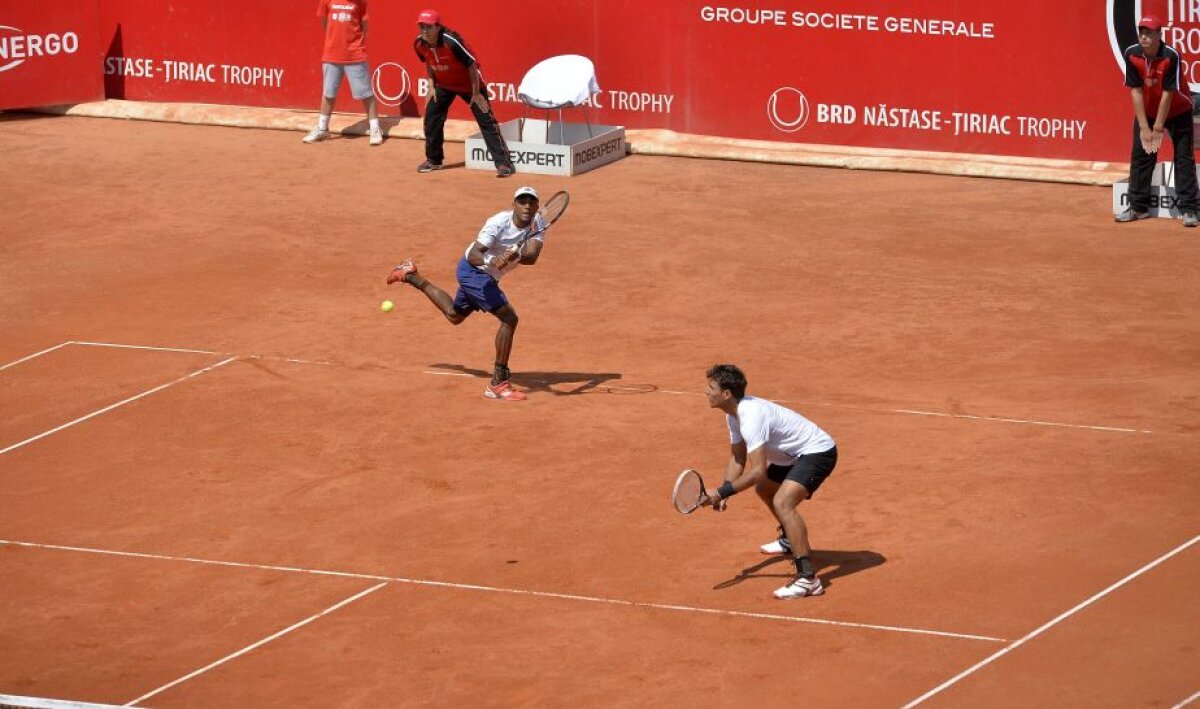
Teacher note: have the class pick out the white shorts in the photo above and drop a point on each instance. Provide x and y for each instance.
(358, 74)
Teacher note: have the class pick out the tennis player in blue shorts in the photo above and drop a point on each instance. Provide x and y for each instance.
(489, 258)
(783, 456)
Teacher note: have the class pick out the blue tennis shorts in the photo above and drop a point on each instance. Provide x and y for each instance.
(477, 290)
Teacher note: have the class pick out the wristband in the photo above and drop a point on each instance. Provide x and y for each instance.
(726, 490)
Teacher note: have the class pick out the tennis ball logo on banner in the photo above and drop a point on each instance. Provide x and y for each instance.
(1181, 30)
(787, 109)
(388, 98)
(16, 47)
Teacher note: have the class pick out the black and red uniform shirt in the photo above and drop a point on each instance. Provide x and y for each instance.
(1154, 75)
(448, 60)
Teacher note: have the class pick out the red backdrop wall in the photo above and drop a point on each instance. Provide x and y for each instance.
(1023, 78)
(50, 53)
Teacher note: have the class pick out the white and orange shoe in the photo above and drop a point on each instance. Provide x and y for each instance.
(504, 390)
(402, 272)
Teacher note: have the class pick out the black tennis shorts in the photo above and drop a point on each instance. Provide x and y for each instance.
(808, 470)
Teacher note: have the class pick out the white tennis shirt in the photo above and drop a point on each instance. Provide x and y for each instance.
(786, 434)
(499, 234)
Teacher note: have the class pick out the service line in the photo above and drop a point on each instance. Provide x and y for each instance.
(514, 591)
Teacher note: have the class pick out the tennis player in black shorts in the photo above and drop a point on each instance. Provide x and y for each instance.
(783, 456)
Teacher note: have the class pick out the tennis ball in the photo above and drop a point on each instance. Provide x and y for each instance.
(387, 306)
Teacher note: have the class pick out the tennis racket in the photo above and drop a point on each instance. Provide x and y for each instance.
(549, 213)
(689, 491)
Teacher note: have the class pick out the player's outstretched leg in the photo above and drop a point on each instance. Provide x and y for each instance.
(407, 273)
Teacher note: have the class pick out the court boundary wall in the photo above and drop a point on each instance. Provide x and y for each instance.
(658, 142)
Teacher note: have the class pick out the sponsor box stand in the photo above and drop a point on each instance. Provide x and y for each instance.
(566, 81)
(1162, 193)
(580, 147)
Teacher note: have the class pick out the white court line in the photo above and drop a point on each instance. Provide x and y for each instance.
(909, 412)
(110, 407)
(514, 591)
(181, 349)
(1187, 701)
(1061, 617)
(26, 359)
(1033, 422)
(44, 703)
(258, 644)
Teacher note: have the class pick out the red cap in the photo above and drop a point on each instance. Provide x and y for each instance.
(429, 17)
(1150, 22)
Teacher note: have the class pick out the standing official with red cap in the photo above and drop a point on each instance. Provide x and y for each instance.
(1162, 102)
(454, 71)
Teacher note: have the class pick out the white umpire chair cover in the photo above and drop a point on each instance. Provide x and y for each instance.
(565, 81)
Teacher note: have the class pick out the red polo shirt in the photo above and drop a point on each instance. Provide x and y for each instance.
(448, 59)
(344, 39)
(1154, 75)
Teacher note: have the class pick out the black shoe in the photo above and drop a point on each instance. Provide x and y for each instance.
(429, 166)
(504, 171)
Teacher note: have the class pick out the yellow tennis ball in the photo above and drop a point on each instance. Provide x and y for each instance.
(387, 306)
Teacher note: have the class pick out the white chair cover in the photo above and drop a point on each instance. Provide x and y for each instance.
(565, 80)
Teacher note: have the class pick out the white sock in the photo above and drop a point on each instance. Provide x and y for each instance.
(323, 122)
(374, 124)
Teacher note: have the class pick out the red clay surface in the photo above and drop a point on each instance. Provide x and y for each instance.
(529, 551)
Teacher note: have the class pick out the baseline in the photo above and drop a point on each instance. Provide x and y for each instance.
(903, 412)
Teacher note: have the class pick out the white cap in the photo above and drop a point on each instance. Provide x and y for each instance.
(526, 190)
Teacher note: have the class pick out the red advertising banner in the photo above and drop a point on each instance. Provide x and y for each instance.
(50, 53)
(1032, 79)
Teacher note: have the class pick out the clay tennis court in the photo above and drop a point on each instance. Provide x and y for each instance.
(228, 479)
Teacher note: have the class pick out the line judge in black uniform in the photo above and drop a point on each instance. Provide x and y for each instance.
(453, 71)
(1162, 103)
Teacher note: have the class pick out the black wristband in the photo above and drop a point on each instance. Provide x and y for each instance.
(726, 490)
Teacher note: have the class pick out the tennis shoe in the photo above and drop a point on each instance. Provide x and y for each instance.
(1130, 215)
(376, 136)
(504, 171)
(316, 135)
(429, 166)
(1189, 219)
(504, 390)
(800, 588)
(402, 272)
(779, 546)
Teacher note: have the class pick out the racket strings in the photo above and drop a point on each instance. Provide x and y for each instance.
(688, 490)
(554, 207)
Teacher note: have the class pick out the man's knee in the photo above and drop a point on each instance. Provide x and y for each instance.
(508, 316)
(790, 495)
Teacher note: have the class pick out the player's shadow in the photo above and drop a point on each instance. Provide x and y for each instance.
(560, 383)
(830, 565)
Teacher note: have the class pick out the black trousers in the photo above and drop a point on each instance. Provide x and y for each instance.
(1141, 166)
(435, 127)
